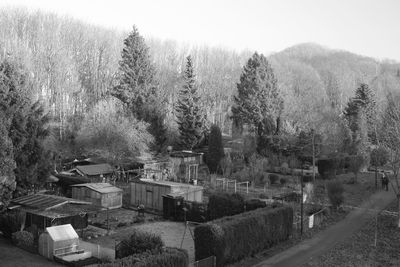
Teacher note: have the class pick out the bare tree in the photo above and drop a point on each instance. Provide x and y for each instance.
(391, 139)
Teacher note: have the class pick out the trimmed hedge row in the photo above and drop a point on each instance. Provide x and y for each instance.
(168, 257)
(221, 205)
(233, 238)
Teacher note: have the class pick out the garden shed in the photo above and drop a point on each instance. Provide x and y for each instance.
(95, 172)
(150, 193)
(99, 194)
(48, 210)
(186, 165)
(61, 241)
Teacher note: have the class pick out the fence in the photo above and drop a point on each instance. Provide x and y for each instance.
(207, 262)
(97, 250)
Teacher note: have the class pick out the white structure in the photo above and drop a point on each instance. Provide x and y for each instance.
(61, 241)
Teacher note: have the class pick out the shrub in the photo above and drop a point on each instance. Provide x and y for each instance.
(23, 238)
(273, 178)
(172, 257)
(220, 205)
(263, 196)
(257, 230)
(137, 243)
(196, 212)
(282, 181)
(335, 193)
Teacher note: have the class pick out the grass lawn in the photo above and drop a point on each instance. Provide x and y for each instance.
(360, 250)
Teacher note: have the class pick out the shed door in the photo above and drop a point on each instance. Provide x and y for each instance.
(149, 198)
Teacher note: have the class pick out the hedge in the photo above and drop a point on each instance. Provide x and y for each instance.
(233, 238)
(224, 204)
(137, 243)
(168, 257)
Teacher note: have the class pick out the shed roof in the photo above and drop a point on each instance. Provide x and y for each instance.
(62, 232)
(168, 184)
(102, 188)
(41, 201)
(95, 169)
(184, 154)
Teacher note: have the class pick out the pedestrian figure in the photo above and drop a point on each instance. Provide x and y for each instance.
(141, 210)
(383, 179)
(386, 182)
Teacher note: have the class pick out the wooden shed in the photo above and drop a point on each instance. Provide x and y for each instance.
(185, 165)
(99, 194)
(149, 193)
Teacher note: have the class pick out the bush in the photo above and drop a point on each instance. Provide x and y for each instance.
(221, 205)
(273, 178)
(335, 193)
(263, 196)
(196, 212)
(256, 230)
(137, 243)
(171, 257)
(23, 238)
(282, 181)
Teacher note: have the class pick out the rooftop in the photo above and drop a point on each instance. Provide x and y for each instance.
(184, 154)
(62, 232)
(41, 201)
(100, 187)
(95, 169)
(168, 183)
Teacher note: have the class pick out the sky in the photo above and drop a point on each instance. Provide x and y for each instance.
(366, 27)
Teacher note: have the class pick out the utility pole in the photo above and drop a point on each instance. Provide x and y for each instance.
(313, 155)
(301, 205)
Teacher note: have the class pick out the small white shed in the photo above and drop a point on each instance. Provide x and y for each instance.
(58, 241)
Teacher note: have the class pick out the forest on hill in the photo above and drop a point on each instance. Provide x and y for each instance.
(71, 68)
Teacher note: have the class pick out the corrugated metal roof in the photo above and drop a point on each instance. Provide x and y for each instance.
(40, 201)
(62, 232)
(100, 187)
(96, 169)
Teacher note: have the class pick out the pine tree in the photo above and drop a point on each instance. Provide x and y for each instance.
(360, 114)
(137, 87)
(258, 102)
(189, 117)
(136, 75)
(215, 149)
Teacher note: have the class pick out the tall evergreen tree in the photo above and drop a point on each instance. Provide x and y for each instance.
(258, 102)
(189, 117)
(360, 114)
(137, 87)
(215, 149)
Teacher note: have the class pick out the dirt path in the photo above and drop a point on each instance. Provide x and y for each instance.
(322, 242)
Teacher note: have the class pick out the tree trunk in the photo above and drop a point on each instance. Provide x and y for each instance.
(398, 208)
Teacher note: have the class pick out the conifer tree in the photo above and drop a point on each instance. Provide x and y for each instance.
(258, 102)
(137, 87)
(189, 117)
(215, 149)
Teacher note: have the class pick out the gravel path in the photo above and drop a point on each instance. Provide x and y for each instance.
(324, 241)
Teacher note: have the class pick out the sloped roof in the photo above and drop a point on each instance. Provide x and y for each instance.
(41, 201)
(95, 169)
(62, 232)
(184, 154)
(100, 187)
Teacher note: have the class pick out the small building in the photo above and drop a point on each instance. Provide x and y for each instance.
(99, 194)
(95, 172)
(186, 165)
(57, 240)
(42, 211)
(150, 193)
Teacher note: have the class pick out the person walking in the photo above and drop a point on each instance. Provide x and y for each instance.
(383, 179)
(386, 182)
